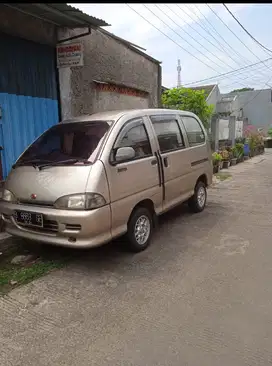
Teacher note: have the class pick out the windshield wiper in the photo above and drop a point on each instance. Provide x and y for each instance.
(33, 162)
(61, 162)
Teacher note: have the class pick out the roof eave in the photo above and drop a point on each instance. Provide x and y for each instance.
(130, 45)
(211, 91)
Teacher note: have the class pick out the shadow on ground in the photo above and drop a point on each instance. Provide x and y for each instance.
(173, 227)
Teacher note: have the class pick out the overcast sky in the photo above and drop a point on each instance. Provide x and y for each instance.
(198, 37)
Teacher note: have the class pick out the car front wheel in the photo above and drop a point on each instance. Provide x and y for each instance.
(140, 229)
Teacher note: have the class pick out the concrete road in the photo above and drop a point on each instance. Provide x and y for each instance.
(201, 295)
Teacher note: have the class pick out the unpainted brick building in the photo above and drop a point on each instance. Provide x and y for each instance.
(116, 75)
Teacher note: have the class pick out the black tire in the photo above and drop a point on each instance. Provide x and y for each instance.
(133, 244)
(2, 225)
(195, 204)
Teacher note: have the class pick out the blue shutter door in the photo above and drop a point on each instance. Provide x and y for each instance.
(28, 95)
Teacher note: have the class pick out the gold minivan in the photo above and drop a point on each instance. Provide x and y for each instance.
(93, 178)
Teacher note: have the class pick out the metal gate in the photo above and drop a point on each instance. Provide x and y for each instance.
(28, 95)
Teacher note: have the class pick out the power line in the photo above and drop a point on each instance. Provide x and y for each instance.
(173, 30)
(234, 85)
(231, 48)
(249, 83)
(234, 33)
(207, 31)
(178, 33)
(206, 39)
(250, 35)
(219, 35)
(216, 76)
(251, 78)
(189, 25)
(228, 73)
(183, 30)
(231, 73)
(171, 39)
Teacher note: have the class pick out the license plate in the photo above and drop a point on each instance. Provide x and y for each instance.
(28, 218)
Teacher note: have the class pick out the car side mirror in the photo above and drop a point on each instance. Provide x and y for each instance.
(124, 154)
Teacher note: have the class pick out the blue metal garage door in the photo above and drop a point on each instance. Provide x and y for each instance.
(28, 95)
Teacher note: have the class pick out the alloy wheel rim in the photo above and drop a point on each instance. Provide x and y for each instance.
(201, 196)
(142, 229)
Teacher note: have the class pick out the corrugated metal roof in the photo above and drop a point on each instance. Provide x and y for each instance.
(62, 15)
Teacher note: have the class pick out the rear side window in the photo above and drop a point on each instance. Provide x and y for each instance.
(194, 131)
(134, 135)
(168, 132)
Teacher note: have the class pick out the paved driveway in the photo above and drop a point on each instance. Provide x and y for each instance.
(201, 295)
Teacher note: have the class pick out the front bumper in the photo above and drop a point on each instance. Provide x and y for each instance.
(61, 227)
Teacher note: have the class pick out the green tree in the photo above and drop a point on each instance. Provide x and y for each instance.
(189, 100)
(270, 132)
(242, 90)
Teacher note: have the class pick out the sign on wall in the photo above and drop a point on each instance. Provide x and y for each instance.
(107, 87)
(70, 54)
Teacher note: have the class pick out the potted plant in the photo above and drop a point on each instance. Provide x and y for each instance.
(225, 159)
(252, 146)
(233, 159)
(240, 152)
(246, 150)
(260, 143)
(216, 158)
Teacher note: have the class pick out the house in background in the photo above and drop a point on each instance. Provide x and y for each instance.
(254, 107)
(237, 111)
(212, 94)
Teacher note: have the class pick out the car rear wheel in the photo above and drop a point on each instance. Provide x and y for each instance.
(197, 202)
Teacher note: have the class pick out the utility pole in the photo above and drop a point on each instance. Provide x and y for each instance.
(179, 70)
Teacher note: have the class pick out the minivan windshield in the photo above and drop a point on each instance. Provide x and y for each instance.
(66, 143)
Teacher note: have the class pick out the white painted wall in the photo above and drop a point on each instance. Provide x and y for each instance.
(239, 129)
(109, 101)
(224, 130)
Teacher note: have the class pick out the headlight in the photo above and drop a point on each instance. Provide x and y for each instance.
(84, 201)
(8, 196)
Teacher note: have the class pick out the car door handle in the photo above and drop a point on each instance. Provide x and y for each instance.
(165, 161)
(119, 170)
(154, 162)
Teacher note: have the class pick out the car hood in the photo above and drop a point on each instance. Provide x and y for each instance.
(48, 184)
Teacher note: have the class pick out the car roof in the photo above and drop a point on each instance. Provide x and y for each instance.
(115, 115)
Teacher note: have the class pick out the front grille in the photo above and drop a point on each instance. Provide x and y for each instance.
(49, 227)
(35, 203)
